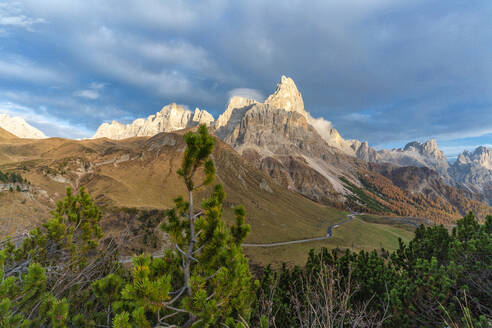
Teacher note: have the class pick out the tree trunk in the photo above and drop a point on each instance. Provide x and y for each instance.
(191, 245)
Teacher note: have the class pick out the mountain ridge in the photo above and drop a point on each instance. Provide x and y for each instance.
(303, 153)
(170, 118)
(19, 127)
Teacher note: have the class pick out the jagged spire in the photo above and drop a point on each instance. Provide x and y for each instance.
(287, 97)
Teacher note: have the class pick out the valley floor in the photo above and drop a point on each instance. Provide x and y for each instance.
(357, 234)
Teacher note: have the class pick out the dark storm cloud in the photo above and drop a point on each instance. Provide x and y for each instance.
(383, 71)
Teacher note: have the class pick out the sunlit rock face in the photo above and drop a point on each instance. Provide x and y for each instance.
(227, 121)
(171, 118)
(19, 127)
(308, 155)
(418, 154)
(287, 97)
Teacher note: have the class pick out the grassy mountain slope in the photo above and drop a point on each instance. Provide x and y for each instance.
(140, 172)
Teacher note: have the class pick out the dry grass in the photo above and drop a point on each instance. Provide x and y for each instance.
(149, 180)
(19, 212)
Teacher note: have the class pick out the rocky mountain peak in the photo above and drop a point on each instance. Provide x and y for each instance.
(236, 108)
(463, 158)
(418, 154)
(287, 97)
(481, 150)
(428, 148)
(239, 102)
(474, 170)
(19, 127)
(171, 109)
(431, 146)
(202, 117)
(483, 156)
(171, 117)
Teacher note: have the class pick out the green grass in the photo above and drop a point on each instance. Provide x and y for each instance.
(391, 221)
(356, 235)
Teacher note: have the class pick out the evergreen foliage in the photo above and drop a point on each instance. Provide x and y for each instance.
(438, 279)
(204, 281)
(45, 281)
(11, 177)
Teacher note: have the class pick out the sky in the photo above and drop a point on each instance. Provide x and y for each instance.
(384, 71)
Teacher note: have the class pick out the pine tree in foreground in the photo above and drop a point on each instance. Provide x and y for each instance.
(204, 280)
(45, 275)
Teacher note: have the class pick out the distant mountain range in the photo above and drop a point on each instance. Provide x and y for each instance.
(281, 127)
(307, 155)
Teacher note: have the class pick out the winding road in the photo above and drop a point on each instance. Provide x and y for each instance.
(329, 233)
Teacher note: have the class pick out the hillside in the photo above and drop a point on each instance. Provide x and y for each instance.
(140, 173)
(413, 191)
(6, 135)
(132, 180)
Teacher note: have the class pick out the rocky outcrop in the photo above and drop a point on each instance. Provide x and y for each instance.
(282, 142)
(227, 121)
(13, 187)
(474, 170)
(19, 127)
(287, 97)
(171, 118)
(363, 151)
(333, 138)
(417, 154)
(201, 117)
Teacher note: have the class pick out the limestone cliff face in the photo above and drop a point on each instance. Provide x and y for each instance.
(278, 138)
(474, 170)
(287, 97)
(19, 127)
(227, 121)
(363, 151)
(202, 117)
(284, 145)
(171, 118)
(418, 154)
